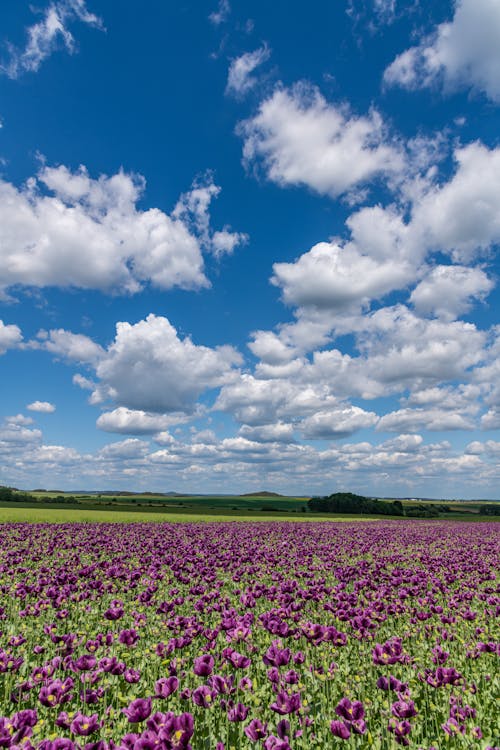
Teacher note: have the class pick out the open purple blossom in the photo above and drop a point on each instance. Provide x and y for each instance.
(85, 725)
(350, 710)
(286, 703)
(138, 710)
(256, 730)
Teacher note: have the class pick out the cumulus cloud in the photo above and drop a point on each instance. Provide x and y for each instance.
(301, 139)
(19, 420)
(12, 434)
(338, 277)
(10, 337)
(385, 251)
(240, 79)
(75, 347)
(461, 216)
(449, 291)
(337, 423)
(402, 348)
(129, 449)
(43, 407)
(48, 35)
(67, 229)
(269, 433)
(415, 420)
(148, 367)
(136, 421)
(464, 52)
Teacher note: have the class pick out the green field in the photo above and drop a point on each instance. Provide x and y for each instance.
(33, 514)
(201, 502)
(62, 507)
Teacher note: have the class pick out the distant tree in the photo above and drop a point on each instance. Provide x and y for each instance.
(348, 502)
(490, 509)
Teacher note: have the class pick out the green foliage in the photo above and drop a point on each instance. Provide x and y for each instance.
(490, 509)
(422, 511)
(347, 502)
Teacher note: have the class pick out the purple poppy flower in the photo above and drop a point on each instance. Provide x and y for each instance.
(340, 729)
(389, 652)
(165, 686)
(202, 696)
(239, 712)
(401, 729)
(404, 709)
(452, 727)
(85, 662)
(63, 720)
(283, 729)
(204, 665)
(84, 725)
(286, 704)
(138, 710)
(275, 743)
(391, 683)
(276, 656)
(351, 711)
(128, 637)
(26, 718)
(132, 676)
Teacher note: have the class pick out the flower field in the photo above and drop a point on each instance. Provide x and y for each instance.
(266, 635)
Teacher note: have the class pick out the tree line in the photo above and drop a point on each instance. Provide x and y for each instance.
(348, 502)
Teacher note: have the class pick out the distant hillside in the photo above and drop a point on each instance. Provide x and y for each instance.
(262, 494)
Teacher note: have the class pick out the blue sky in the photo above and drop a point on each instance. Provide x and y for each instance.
(250, 246)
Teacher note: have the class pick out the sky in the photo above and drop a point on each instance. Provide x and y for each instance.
(250, 246)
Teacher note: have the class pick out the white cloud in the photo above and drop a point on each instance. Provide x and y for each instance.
(462, 52)
(338, 277)
(10, 337)
(337, 423)
(240, 79)
(193, 209)
(221, 14)
(129, 449)
(301, 139)
(414, 420)
(46, 36)
(44, 407)
(56, 455)
(372, 12)
(12, 434)
(270, 348)
(448, 291)
(269, 433)
(135, 421)
(19, 420)
(384, 252)
(464, 397)
(491, 420)
(148, 367)
(461, 217)
(403, 444)
(82, 382)
(90, 234)
(401, 347)
(75, 347)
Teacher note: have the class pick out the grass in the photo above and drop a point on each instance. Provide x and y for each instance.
(200, 502)
(29, 514)
(34, 513)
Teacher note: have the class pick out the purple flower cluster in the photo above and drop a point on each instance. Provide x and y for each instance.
(277, 636)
